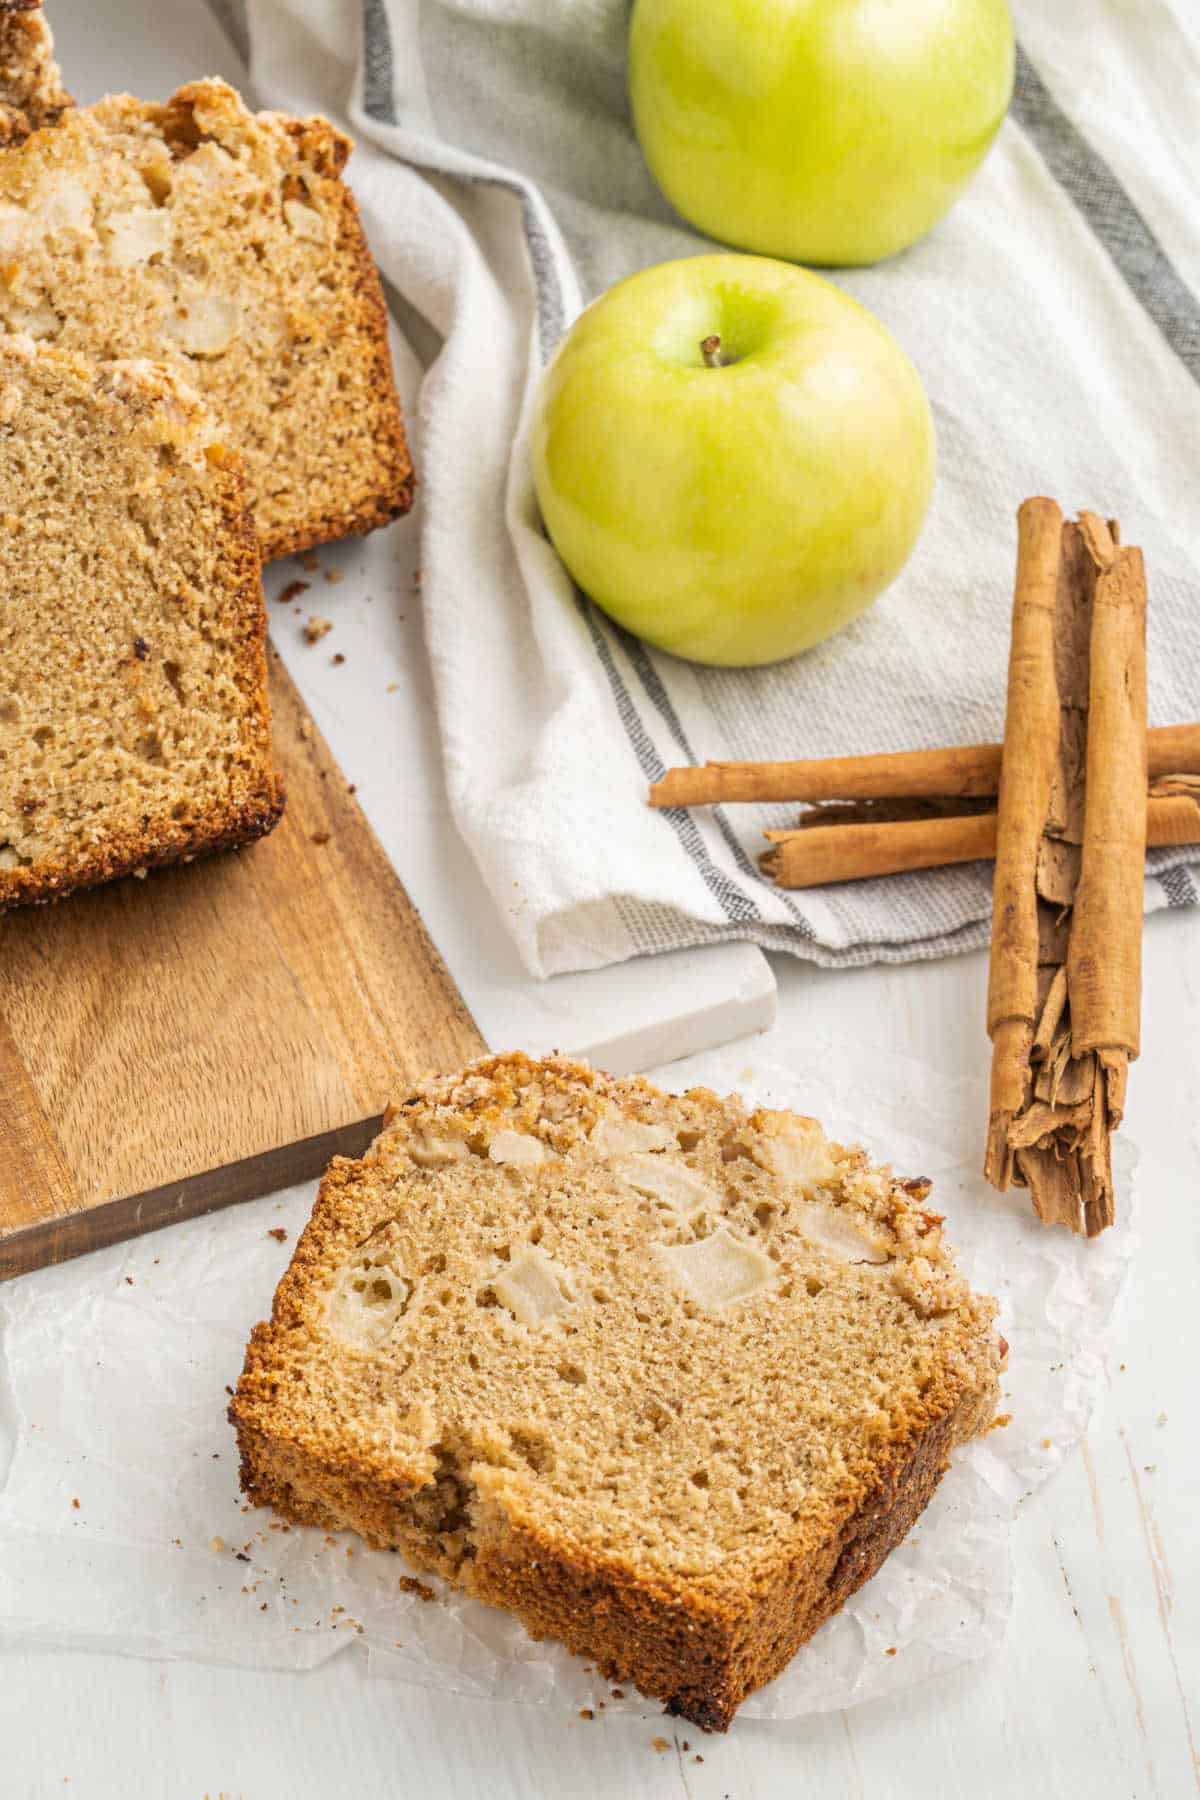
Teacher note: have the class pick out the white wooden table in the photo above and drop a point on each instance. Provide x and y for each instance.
(1097, 1691)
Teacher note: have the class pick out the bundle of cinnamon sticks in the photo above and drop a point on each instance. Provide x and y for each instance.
(1066, 807)
(1065, 979)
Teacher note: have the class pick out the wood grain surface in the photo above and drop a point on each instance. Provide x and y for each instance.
(215, 1030)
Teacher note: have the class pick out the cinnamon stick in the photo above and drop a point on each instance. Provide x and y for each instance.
(1065, 977)
(964, 771)
(814, 855)
(1104, 964)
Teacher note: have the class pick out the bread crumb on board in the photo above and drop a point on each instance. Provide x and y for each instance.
(315, 628)
(408, 1584)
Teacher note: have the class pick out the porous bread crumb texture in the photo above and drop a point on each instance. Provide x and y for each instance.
(31, 89)
(226, 242)
(134, 721)
(665, 1377)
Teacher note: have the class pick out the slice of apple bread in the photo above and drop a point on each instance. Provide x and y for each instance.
(665, 1377)
(135, 727)
(227, 243)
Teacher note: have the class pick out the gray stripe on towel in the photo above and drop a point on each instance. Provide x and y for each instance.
(1144, 265)
(733, 902)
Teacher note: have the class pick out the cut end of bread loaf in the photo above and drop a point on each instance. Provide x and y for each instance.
(31, 90)
(134, 721)
(665, 1377)
(226, 243)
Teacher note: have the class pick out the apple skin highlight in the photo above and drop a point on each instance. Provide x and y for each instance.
(732, 508)
(834, 132)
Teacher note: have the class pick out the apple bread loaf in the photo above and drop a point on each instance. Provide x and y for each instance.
(134, 726)
(31, 89)
(227, 242)
(665, 1377)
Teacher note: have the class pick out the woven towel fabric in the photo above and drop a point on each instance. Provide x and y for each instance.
(1054, 318)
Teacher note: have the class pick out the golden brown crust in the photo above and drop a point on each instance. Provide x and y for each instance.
(161, 844)
(317, 141)
(701, 1654)
(699, 1642)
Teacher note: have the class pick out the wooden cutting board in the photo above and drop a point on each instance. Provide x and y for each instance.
(217, 1030)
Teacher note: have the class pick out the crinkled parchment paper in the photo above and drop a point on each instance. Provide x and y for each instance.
(121, 1527)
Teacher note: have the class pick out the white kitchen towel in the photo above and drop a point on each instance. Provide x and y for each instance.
(1053, 316)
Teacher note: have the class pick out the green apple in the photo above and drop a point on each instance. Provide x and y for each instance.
(824, 131)
(732, 457)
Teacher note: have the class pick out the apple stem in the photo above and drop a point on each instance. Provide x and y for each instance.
(710, 350)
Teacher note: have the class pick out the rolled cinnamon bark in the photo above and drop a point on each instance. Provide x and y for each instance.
(963, 771)
(820, 854)
(1065, 977)
(966, 770)
(1031, 732)
(1104, 965)
(828, 853)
